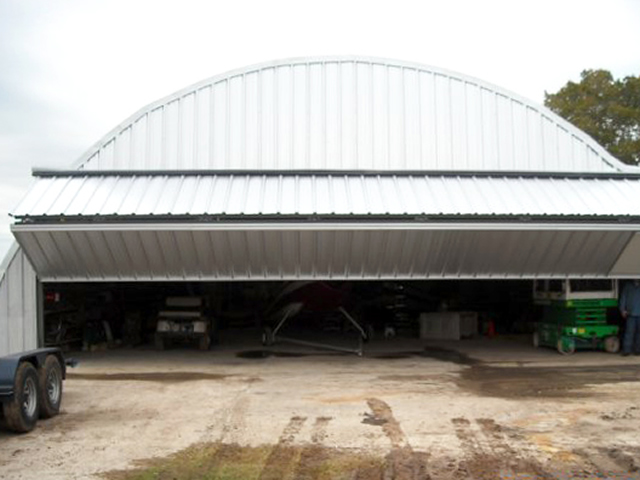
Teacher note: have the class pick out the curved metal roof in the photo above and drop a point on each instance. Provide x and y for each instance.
(347, 113)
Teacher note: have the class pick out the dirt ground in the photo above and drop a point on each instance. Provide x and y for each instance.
(483, 409)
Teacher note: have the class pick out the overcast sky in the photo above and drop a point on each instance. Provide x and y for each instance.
(70, 70)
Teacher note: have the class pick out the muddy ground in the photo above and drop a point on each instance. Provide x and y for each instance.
(482, 409)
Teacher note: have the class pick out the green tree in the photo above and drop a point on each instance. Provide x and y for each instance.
(605, 108)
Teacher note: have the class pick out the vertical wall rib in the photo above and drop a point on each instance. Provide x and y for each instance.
(18, 303)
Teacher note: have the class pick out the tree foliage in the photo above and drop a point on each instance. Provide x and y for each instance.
(605, 108)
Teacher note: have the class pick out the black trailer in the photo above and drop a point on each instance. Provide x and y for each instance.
(30, 387)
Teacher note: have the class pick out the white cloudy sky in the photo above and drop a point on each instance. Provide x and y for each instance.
(70, 70)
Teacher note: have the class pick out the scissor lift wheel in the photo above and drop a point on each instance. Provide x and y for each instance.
(566, 346)
(612, 344)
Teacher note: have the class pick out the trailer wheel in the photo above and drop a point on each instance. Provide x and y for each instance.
(50, 383)
(612, 344)
(21, 414)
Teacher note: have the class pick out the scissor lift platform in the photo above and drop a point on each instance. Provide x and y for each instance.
(576, 318)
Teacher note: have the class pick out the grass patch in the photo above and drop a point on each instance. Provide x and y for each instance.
(219, 461)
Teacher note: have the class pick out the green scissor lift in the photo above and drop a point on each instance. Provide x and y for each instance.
(575, 317)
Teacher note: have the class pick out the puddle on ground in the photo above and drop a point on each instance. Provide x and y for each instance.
(261, 354)
(161, 377)
(429, 352)
(435, 353)
(258, 354)
(447, 355)
(523, 381)
(550, 382)
(393, 356)
(517, 381)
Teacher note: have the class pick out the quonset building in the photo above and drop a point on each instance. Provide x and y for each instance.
(325, 168)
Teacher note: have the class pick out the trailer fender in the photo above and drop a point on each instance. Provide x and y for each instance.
(9, 366)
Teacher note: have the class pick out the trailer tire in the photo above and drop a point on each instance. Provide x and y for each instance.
(612, 344)
(21, 413)
(50, 383)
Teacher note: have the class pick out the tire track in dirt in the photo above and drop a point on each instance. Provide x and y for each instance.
(383, 416)
(473, 464)
(235, 420)
(492, 456)
(402, 463)
(467, 438)
(282, 457)
(623, 460)
(609, 462)
(476, 461)
(231, 418)
(313, 456)
(501, 445)
(320, 430)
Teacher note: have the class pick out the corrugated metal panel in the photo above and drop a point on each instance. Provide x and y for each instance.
(329, 251)
(346, 113)
(360, 195)
(628, 263)
(18, 304)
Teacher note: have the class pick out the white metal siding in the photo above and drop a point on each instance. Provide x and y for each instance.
(324, 251)
(242, 195)
(18, 304)
(347, 113)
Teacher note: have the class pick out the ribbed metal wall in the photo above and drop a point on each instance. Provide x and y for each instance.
(256, 194)
(18, 304)
(289, 251)
(347, 113)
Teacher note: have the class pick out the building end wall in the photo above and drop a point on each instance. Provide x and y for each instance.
(18, 304)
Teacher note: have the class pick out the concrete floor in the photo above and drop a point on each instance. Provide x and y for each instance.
(489, 408)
